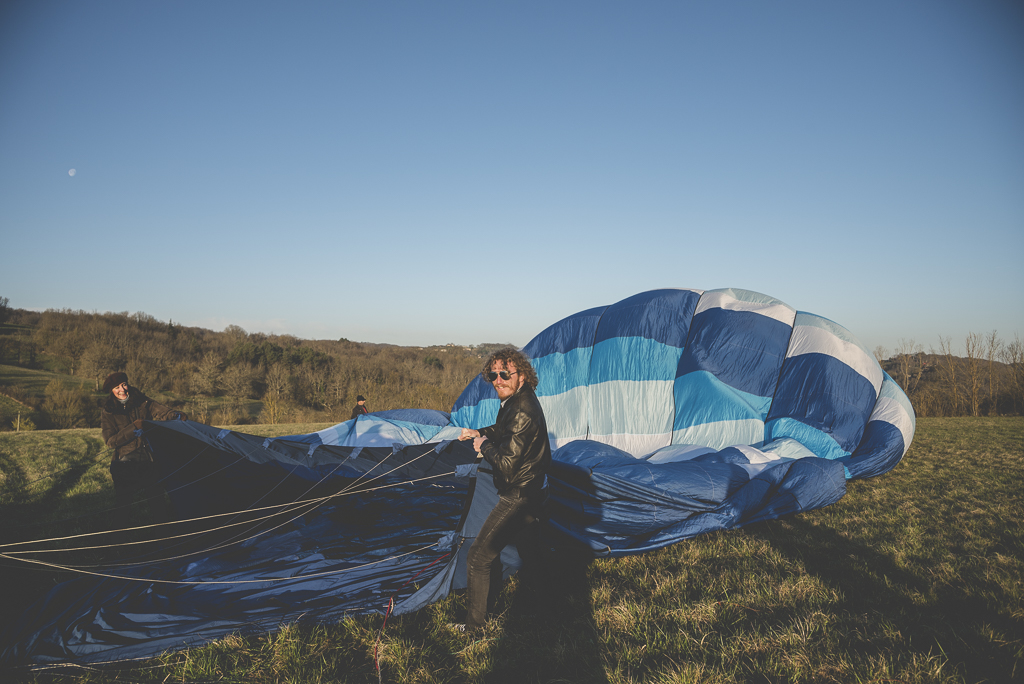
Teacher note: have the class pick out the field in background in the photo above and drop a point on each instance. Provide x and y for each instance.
(914, 576)
(34, 381)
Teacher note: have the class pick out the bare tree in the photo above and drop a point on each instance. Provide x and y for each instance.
(908, 365)
(927, 402)
(199, 409)
(993, 349)
(26, 350)
(1013, 356)
(950, 376)
(71, 345)
(64, 404)
(881, 354)
(206, 377)
(234, 336)
(972, 348)
(318, 380)
(59, 333)
(97, 361)
(277, 385)
(121, 340)
(238, 380)
(146, 367)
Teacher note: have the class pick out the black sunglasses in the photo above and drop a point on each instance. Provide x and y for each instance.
(504, 375)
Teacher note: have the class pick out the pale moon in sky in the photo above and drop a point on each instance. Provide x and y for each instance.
(71, 172)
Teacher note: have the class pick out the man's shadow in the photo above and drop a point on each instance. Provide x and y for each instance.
(547, 614)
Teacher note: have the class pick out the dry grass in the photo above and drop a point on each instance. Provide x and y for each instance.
(915, 576)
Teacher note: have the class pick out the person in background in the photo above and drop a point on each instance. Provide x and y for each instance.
(360, 408)
(131, 465)
(517, 449)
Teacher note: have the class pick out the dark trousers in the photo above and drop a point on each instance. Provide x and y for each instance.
(515, 520)
(132, 477)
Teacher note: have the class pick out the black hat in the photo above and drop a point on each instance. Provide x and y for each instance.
(113, 380)
(360, 398)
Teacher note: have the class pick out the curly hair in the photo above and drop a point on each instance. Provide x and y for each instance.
(516, 358)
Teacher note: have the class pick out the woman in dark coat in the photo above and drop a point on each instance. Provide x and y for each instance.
(131, 465)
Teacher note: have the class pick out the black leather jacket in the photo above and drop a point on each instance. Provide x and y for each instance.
(517, 445)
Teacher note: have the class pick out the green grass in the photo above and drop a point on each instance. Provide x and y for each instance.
(34, 382)
(12, 407)
(13, 404)
(263, 430)
(914, 576)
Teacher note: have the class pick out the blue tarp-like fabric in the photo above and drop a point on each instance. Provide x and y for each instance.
(671, 388)
(671, 413)
(316, 561)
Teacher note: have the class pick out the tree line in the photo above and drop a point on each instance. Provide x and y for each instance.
(986, 378)
(227, 378)
(235, 377)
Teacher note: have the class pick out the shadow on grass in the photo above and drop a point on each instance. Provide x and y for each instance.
(549, 633)
(46, 508)
(881, 599)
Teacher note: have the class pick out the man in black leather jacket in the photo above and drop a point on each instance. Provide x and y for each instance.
(517, 449)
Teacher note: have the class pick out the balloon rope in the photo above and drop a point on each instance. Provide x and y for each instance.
(150, 580)
(233, 513)
(236, 540)
(347, 490)
(252, 523)
(290, 504)
(317, 502)
(344, 492)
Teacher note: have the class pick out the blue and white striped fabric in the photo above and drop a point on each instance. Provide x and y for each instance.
(827, 390)
(382, 428)
(727, 375)
(709, 370)
(677, 412)
(636, 351)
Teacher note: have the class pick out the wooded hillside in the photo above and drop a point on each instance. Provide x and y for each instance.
(54, 363)
(988, 381)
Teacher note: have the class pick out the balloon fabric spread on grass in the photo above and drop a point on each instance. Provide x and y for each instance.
(670, 413)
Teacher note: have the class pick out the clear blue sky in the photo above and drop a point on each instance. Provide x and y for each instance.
(430, 172)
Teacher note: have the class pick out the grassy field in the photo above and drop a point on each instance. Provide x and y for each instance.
(915, 576)
(13, 407)
(34, 382)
